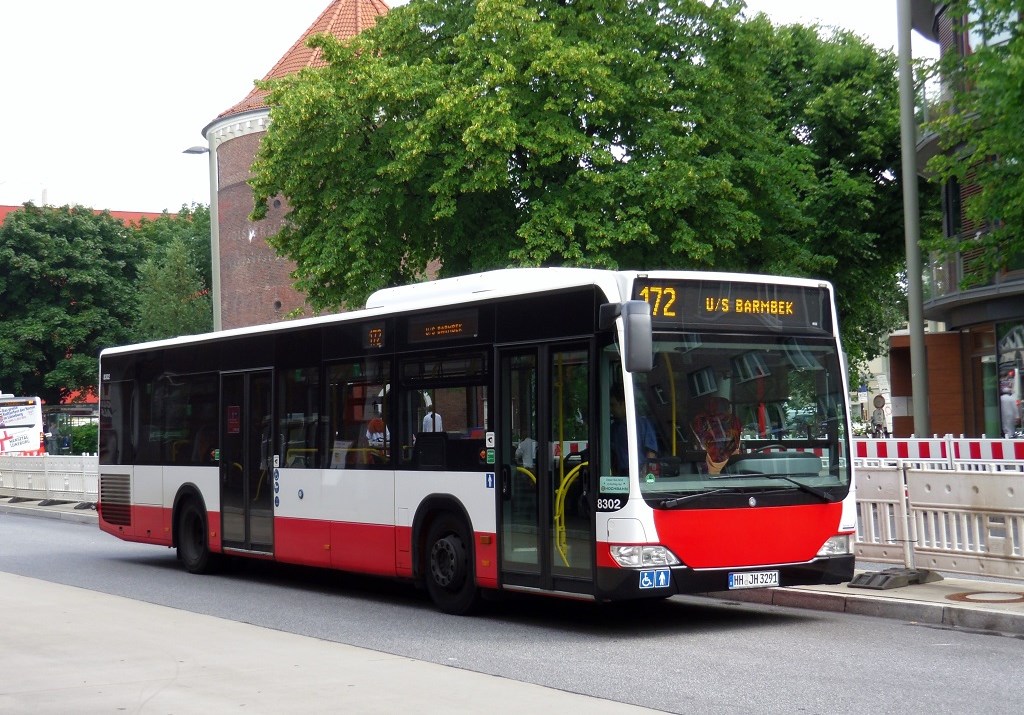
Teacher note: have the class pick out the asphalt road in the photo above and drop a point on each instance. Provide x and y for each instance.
(680, 655)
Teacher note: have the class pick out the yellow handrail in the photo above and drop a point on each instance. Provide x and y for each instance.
(561, 542)
(527, 472)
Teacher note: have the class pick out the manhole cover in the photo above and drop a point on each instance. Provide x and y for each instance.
(987, 597)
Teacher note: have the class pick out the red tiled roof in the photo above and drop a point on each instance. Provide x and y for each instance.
(78, 397)
(131, 218)
(4, 210)
(342, 18)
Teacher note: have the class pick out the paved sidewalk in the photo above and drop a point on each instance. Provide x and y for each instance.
(961, 602)
(136, 657)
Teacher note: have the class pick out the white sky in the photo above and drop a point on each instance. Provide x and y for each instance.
(102, 97)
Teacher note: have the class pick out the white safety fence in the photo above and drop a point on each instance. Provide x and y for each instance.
(956, 520)
(958, 511)
(50, 478)
(948, 503)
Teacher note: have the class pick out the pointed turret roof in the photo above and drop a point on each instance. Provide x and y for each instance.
(342, 18)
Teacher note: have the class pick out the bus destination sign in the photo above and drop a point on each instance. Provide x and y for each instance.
(722, 305)
(443, 326)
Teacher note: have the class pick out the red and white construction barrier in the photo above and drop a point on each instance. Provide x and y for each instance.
(953, 451)
(936, 449)
(988, 450)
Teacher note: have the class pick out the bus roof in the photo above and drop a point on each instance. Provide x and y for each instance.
(7, 399)
(504, 282)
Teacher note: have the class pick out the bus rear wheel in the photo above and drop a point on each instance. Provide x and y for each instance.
(449, 572)
(193, 546)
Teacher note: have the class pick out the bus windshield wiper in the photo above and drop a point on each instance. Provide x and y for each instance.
(676, 501)
(823, 495)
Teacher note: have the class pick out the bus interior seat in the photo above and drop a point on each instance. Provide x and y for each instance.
(430, 450)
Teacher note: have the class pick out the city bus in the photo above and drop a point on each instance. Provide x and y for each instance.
(581, 433)
(21, 426)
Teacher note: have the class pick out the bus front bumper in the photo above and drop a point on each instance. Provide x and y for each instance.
(617, 584)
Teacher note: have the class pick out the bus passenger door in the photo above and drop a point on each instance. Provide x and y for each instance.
(547, 538)
(246, 466)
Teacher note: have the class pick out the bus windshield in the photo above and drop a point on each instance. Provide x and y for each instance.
(739, 412)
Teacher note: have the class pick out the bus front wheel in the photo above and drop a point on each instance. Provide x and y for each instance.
(449, 572)
(193, 546)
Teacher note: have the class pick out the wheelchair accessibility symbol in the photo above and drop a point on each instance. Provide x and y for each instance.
(655, 578)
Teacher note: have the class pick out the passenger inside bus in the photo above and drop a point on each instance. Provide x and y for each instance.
(718, 432)
(526, 452)
(377, 433)
(432, 422)
(647, 438)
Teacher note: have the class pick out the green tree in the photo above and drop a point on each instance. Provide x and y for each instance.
(67, 290)
(172, 297)
(838, 97)
(982, 133)
(85, 438)
(615, 133)
(502, 132)
(191, 225)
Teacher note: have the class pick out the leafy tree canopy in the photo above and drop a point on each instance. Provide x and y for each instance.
(176, 276)
(614, 133)
(191, 225)
(838, 97)
(67, 290)
(981, 129)
(172, 297)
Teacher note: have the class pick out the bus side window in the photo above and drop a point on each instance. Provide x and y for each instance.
(357, 393)
(298, 421)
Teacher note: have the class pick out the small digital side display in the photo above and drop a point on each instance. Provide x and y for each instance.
(444, 326)
(720, 305)
(373, 336)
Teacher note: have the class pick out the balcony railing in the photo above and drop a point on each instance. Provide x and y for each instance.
(959, 275)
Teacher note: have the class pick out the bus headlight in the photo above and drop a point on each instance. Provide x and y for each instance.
(840, 545)
(635, 556)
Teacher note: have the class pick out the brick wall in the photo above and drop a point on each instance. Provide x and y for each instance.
(255, 283)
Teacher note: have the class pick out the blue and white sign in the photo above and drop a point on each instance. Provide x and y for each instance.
(490, 480)
(655, 578)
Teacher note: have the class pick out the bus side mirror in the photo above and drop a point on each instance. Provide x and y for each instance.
(638, 340)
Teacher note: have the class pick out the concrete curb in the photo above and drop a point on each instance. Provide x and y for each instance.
(946, 614)
(63, 512)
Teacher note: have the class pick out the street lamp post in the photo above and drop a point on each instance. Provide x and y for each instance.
(214, 234)
(911, 229)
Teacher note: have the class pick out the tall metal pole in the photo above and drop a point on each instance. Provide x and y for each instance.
(214, 237)
(911, 230)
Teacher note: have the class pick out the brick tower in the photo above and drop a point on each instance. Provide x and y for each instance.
(251, 283)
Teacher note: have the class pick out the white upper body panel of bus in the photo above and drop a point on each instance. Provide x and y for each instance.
(471, 288)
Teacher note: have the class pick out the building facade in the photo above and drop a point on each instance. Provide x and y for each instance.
(980, 357)
(251, 283)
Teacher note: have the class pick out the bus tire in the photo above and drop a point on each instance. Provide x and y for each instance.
(449, 569)
(193, 545)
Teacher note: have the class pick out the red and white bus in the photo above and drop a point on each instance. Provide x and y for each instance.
(21, 426)
(583, 433)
